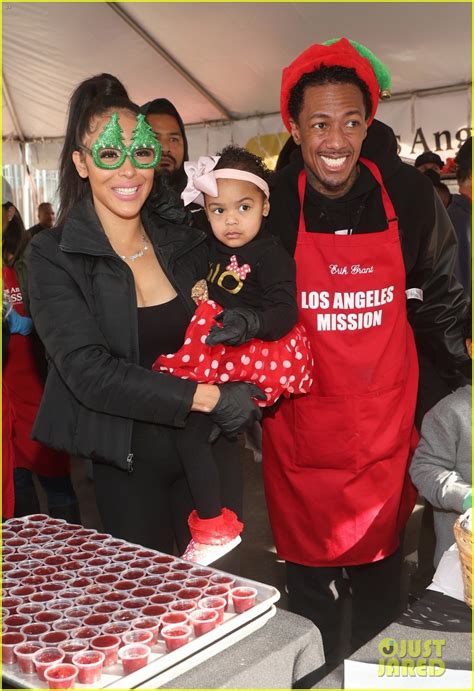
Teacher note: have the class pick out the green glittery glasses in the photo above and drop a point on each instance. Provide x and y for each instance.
(110, 152)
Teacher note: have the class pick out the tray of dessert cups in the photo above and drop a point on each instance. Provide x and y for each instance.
(82, 608)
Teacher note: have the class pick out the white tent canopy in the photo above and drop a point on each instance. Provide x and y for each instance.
(220, 64)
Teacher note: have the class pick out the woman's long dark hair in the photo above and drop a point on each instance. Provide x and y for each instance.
(92, 98)
(15, 237)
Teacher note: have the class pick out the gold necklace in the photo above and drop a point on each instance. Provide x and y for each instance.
(138, 254)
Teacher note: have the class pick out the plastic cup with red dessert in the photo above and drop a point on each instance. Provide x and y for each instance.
(88, 600)
(217, 603)
(97, 619)
(134, 656)
(182, 566)
(175, 636)
(124, 615)
(42, 597)
(46, 657)
(117, 628)
(222, 579)
(186, 606)
(98, 589)
(18, 574)
(54, 638)
(78, 612)
(12, 603)
(137, 636)
(35, 581)
(97, 562)
(85, 633)
(134, 603)
(71, 647)
(62, 577)
(133, 574)
(196, 582)
(34, 630)
(30, 608)
(175, 577)
(89, 664)
(14, 622)
(158, 569)
(91, 571)
(105, 551)
(163, 559)
(24, 655)
(243, 598)
(151, 624)
(114, 596)
(62, 676)
(169, 587)
(154, 610)
(172, 618)
(48, 616)
(142, 591)
(201, 572)
(16, 542)
(65, 624)
(203, 620)
(124, 585)
(10, 640)
(59, 605)
(127, 548)
(189, 594)
(70, 593)
(106, 607)
(108, 644)
(81, 582)
(162, 599)
(151, 581)
(218, 591)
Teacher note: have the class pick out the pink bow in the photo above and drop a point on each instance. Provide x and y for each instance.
(240, 271)
(200, 179)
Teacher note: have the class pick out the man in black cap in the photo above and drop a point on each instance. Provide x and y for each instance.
(428, 160)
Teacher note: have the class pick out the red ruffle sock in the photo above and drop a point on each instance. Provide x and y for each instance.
(212, 537)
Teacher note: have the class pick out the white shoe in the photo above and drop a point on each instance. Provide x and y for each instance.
(204, 555)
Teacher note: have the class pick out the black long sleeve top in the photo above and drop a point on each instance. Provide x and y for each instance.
(269, 287)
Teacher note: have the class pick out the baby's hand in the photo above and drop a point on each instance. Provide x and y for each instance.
(238, 326)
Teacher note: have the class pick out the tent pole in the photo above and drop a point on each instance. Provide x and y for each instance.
(170, 60)
(11, 109)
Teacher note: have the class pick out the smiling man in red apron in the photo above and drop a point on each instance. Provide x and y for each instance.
(335, 461)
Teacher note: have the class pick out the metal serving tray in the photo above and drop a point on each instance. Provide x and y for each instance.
(163, 666)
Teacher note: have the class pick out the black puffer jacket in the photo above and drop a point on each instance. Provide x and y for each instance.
(83, 303)
(427, 238)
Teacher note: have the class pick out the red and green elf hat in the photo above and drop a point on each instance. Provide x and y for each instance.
(345, 53)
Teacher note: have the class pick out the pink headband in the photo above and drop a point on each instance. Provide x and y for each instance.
(202, 179)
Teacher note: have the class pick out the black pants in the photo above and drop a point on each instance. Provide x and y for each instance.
(151, 505)
(316, 593)
(196, 455)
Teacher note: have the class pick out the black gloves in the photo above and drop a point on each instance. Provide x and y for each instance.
(239, 325)
(235, 408)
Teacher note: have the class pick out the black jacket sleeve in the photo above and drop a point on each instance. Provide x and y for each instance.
(437, 320)
(73, 339)
(277, 278)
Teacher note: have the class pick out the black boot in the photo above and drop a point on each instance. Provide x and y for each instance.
(70, 512)
(26, 502)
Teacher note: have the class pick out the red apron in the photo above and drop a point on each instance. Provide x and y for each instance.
(335, 461)
(22, 390)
